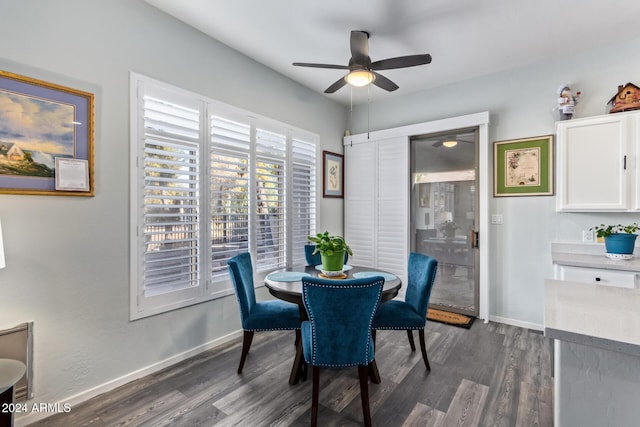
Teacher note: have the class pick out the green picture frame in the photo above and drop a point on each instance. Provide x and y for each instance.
(523, 167)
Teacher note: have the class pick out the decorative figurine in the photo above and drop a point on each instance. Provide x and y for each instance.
(626, 99)
(566, 102)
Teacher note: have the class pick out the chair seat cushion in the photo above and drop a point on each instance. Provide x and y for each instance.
(397, 314)
(272, 315)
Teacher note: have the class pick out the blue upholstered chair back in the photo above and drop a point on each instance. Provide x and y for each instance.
(422, 273)
(316, 259)
(338, 332)
(241, 269)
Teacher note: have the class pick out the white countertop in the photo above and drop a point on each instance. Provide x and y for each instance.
(601, 316)
(591, 255)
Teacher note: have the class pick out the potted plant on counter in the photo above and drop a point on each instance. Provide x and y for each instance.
(619, 240)
(332, 250)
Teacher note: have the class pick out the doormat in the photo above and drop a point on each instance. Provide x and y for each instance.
(450, 318)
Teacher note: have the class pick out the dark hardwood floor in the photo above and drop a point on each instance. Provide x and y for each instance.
(490, 375)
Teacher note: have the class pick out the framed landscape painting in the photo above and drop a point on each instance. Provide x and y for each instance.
(40, 124)
(523, 167)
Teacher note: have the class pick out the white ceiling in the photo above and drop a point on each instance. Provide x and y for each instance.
(466, 38)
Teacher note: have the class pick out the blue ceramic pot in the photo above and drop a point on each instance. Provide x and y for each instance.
(620, 243)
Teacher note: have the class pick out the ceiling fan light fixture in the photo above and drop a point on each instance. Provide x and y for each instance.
(450, 144)
(360, 78)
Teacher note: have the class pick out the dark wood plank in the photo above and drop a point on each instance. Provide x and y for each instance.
(489, 375)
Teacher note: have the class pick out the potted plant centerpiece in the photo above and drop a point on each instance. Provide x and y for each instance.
(332, 250)
(619, 240)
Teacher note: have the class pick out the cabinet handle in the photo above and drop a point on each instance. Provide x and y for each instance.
(625, 162)
(597, 279)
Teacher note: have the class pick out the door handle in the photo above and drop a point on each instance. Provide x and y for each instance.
(475, 239)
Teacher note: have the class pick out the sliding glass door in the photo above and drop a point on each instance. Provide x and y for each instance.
(444, 214)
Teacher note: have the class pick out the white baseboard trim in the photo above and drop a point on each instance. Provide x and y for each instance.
(514, 322)
(83, 396)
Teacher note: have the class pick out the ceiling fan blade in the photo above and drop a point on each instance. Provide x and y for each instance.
(306, 64)
(401, 62)
(337, 85)
(384, 83)
(360, 47)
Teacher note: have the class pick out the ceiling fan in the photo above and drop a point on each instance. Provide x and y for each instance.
(362, 71)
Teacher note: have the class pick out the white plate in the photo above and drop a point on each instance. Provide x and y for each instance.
(620, 256)
(334, 273)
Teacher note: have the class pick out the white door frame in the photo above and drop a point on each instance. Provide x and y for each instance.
(481, 121)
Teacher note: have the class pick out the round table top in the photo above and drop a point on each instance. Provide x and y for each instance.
(10, 373)
(291, 290)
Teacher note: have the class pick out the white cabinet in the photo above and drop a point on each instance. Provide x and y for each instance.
(377, 203)
(596, 163)
(596, 276)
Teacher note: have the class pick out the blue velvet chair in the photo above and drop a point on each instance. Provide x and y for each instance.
(411, 314)
(258, 316)
(338, 332)
(316, 259)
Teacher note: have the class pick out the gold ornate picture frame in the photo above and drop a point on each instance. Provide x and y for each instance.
(39, 123)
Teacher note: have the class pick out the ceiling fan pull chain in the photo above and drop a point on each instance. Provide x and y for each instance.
(368, 110)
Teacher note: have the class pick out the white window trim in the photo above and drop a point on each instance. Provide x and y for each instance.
(143, 306)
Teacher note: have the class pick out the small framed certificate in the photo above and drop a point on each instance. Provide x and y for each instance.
(72, 174)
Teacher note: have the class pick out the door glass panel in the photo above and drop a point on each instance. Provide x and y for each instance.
(444, 200)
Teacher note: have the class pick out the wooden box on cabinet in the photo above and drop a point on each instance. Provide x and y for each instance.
(596, 163)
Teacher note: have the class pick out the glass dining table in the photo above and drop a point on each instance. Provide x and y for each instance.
(286, 284)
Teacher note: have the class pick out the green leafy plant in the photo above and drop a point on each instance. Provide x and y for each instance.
(328, 245)
(607, 230)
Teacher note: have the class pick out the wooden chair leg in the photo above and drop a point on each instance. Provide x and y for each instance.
(363, 373)
(298, 337)
(411, 343)
(314, 396)
(246, 344)
(423, 347)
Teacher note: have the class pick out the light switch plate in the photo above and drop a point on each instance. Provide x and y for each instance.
(497, 219)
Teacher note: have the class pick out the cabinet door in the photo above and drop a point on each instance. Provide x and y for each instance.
(592, 171)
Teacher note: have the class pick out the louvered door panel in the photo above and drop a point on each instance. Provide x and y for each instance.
(360, 202)
(392, 222)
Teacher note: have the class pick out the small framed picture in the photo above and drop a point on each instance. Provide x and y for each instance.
(523, 167)
(72, 174)
(333, 174)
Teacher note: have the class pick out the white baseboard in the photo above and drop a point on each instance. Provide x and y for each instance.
(514, 322)
(76, 399)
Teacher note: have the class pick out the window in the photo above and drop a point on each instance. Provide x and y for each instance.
(209, 182)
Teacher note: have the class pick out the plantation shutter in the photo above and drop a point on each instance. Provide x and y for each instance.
(303, 197)
(171, 192)
(209, 182)
(229, 198)
(270, 155)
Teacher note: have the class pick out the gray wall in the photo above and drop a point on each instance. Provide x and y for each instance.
(68, 257)
(520, 104)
